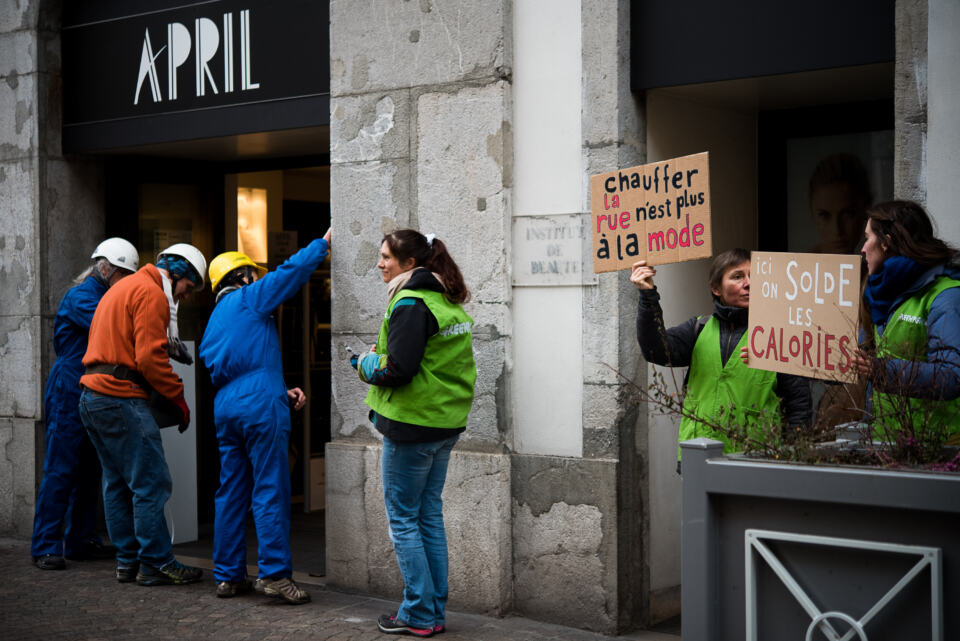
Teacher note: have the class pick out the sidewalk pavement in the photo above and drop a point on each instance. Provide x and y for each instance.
(85, 602)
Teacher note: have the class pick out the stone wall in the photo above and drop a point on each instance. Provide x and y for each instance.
(420, 137)
(910, 101)
(397, 130)
(476, 512)
(565, 543)
(580, 524)
(20, 262)
(52, 219)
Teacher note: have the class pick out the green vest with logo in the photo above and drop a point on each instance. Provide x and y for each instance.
(905, 337)
(730, 394)
(441, 393)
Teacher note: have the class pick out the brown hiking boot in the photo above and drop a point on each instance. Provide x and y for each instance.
(284, 589)
(227, 589)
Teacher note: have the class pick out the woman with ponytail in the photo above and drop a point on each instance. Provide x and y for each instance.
(421, 373)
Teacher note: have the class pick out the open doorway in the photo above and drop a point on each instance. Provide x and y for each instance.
(269, 215)
(159, 202)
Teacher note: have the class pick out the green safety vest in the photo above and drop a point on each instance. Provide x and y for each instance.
(728, 394)
(441, 392)
(905, 337)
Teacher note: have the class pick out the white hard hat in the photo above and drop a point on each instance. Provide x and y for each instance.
(192, 255)
(119, 253)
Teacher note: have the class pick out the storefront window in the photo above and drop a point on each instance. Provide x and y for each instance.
(831, 180)
(820, 169)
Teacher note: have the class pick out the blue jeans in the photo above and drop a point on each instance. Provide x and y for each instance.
(413, 478)
(136, 480)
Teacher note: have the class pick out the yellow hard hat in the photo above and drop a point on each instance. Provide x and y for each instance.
(226, 263)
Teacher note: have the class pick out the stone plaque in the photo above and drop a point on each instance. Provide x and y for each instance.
(549, 251)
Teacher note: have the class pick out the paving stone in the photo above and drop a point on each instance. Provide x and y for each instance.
(85, 603)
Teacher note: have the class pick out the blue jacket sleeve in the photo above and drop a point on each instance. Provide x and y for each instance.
(939, 377)
(274, 288)
(79, 305)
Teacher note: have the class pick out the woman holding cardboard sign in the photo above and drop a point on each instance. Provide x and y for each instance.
(719, 389)
(911, 320)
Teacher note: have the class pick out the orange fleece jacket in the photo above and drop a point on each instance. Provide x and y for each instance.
(130, 328)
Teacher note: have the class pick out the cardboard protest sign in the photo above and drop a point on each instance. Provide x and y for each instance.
(803, 313)
(659, 212)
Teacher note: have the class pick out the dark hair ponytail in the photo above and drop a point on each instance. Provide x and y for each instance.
(409, 243)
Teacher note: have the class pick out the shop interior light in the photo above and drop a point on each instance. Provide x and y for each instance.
(252, 223)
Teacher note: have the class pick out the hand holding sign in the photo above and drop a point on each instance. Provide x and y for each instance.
(642, 275)
(863, 363)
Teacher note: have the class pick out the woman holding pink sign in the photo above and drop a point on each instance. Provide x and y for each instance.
(911, 322)
(719, 388)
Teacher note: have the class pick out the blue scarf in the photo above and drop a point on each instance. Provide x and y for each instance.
(179, 268)
(884, 287)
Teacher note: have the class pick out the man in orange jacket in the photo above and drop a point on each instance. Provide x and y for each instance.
(127, 358)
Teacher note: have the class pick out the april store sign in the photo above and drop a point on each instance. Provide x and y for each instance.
(122, 63)
(205, 45)
(659, 212)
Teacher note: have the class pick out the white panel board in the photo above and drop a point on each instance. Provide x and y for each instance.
(943, 127)
(548, 375)
(548, 182)
(181, 453)
(548, 160)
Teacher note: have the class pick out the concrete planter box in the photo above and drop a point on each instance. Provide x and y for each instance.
(787, 551)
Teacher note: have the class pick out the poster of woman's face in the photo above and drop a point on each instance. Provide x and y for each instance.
(831, 181)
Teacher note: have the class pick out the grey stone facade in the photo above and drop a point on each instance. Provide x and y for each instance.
(52, 217)
(20, 281)
(421, 135)
(910, 101)
(415, 93)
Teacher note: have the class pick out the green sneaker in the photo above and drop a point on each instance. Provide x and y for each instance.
(173, 573)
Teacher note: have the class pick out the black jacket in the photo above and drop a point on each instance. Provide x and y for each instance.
(674, 348)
